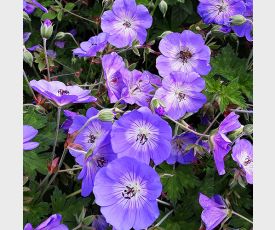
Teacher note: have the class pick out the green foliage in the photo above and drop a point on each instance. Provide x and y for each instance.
(229, 82)
(182, 179)
(69, 208)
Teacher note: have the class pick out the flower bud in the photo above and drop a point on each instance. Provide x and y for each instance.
(158, 107)
(60, 35)
(46, 29)
(248, 129)
(163, 7)
(26, 17)
(237, 20)
(27, 56)
(106, 115)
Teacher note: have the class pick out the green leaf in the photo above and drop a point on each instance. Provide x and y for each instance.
(34, 118)
(60, 15)
(50, 15)
(183, 178)
(69, 6)
(37, 213)
(231, 67)
(33, 161)
(68, 208)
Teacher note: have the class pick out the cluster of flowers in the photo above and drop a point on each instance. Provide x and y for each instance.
(229, 14)
(115, 156)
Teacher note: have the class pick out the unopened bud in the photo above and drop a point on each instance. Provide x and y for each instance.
(27, 57)
(26, 17)
(158, 107)
(248, 129)
(46, 29)
(237, 20)
(60, 35)
(106, 115)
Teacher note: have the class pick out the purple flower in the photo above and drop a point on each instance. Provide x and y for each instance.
(180, 93)
(28, 134)
(52, 223)
(126, 22)
(179, 145)
(69, 121)
(93, 133)
(220, 11)
(126, 190)
(26, 36)
(60, 44)
(94, 160)
(30, 5)
(221, 142)
(61, 94)
(184, 52)
(242, 153)
(144, 135)
(112, 65)
(139, 89)
(214, 210)
(92, 46)
(245, 30)
(99, 223)
(94, 147)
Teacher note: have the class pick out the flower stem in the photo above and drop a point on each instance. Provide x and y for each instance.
(70, 170)
(74, 193)
(164, 218)
(46, 58)
(56, 131)
(55, 174)
(78, 16)
(241, 111)
(73, 38)
(186, 128)
(241, 216)
(27, 80)
(163, 202)
(209, 127)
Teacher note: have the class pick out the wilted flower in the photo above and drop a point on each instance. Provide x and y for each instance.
(138, 87)
(181, 93)
(214, 210)
(220, 11)
(99, 223)
(144, 136)
(30, 5)
(126, 22)
(221, 142)
(28, 134)
(60, 44)
(185, 52)
(126, 190)
(242, 153)
(92, 46)
(61, 94)
(179, 151)
(113, 65)
(52, 223)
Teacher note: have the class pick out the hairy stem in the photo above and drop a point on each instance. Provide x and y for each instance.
(186, 128)
(46, 58)
(164, 218)
(241, 216)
